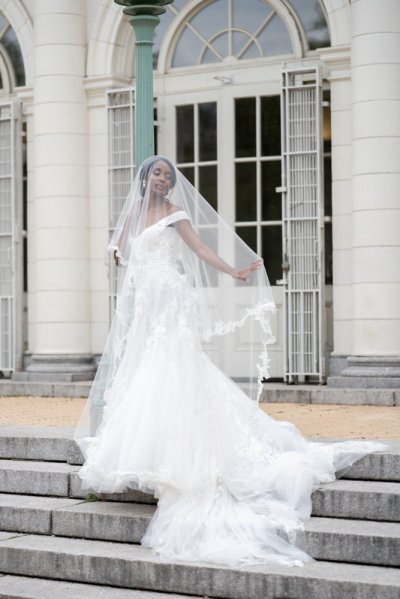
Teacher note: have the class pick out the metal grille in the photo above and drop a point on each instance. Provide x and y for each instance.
(121, 165)
(303, 223)
(10, 246)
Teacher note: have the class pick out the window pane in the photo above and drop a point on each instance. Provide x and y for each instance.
(220, 44)
(272, 252)
(208, 131)
(10, 42)
(245, 127)
(327, 121)
(180, 3)
(208, 184)
(328, 185)
(271, 200)
(240, 40)
(211, 18)
(185, 133)
(313, 21)
(210, 57)
(250, 20)
(188, 171)
(187, 49)
(251, 52)
(246, 191)
(159, 34)
(249, 236)
(270, 126)
(328, 254)
(274, 39)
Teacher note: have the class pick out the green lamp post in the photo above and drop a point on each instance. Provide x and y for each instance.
(144, 18)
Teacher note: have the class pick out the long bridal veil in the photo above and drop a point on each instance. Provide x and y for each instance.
(234, 485)
(233, 315)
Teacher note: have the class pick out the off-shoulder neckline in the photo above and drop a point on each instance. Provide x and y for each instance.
(164, 218)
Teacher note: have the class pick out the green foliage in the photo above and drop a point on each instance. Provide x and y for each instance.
(92, 497)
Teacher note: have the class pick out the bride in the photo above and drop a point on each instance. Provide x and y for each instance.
(233, 485)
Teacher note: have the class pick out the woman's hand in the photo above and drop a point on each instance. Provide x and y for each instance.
(243, 273)
(116, 258)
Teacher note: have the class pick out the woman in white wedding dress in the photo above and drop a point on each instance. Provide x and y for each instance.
(233, 485)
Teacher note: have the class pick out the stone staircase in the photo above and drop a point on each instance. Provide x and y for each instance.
(54, 543)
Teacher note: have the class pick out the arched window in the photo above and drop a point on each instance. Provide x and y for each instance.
(227, 28)
(230, 30)
(12, 71)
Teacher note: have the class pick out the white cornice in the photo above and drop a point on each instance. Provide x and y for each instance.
(337, 61)
(25, 94)
(97, 86)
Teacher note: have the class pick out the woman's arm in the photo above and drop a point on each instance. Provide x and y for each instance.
(204, 252)
(122, 238)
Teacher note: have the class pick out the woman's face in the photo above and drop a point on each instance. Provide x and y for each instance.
(160, 178)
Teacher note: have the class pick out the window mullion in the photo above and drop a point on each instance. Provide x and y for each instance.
(258, 172)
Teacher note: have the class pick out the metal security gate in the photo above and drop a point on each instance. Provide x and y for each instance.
(10, 237)
(121, 165)
(303, 224)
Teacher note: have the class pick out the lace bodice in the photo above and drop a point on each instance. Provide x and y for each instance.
(158, 249)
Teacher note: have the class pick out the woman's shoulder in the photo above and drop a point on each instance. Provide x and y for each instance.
(177, 214)
(174, 208)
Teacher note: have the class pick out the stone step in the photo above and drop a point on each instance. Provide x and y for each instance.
(368, 500)
(333, 539)
(339, 499)
(31, 513)
(11, 388)
(133, 567)
(56, 444)
(35, 443)
(353, 541)
(131, 496)
(27, 587)
(337, 394)
(381, 466)
(54, 377)
(371, 500)
(35, 478)
(359, 541)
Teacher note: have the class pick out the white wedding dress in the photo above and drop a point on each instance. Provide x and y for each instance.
(233, 485)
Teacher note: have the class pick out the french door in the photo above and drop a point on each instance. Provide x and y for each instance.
(227, 143)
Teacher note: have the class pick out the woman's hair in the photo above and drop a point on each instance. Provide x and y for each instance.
(147, 167)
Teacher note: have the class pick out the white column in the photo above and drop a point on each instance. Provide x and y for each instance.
(338, 69)
(376, 176)
(61, 191)
(374, 359)
(339, 63)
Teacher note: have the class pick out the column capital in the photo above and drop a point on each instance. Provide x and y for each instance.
(144, 17)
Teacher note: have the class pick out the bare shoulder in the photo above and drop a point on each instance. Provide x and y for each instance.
(174, 208)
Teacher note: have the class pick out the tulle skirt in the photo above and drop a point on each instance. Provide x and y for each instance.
(233, 485)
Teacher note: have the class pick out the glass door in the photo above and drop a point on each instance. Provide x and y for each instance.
(228, 146)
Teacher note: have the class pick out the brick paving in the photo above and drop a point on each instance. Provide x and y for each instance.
(341, 421)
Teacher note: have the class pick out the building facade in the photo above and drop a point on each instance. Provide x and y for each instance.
(284, 113)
